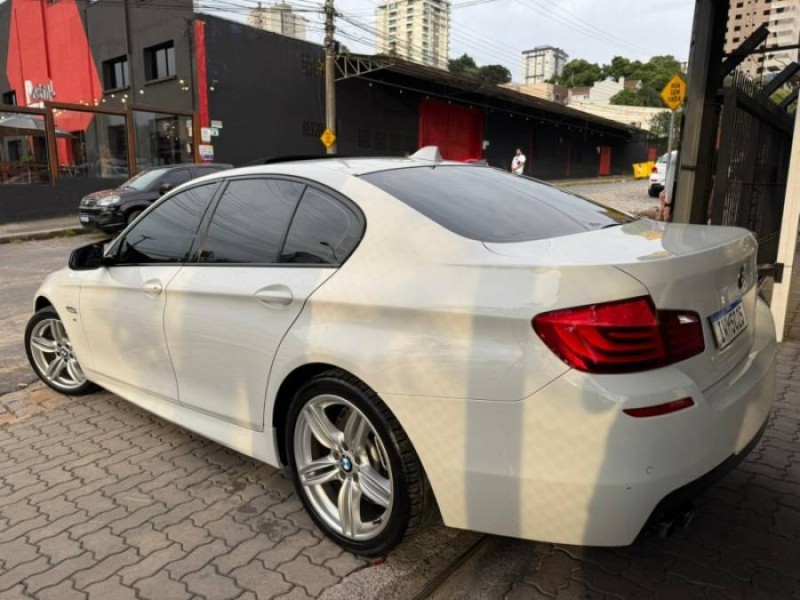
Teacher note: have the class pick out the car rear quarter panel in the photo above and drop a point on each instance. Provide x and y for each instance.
(420, 311)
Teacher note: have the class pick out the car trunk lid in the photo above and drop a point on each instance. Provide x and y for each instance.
(698, 268)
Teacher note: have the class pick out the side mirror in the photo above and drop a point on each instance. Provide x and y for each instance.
(88, 257)
(164, 188)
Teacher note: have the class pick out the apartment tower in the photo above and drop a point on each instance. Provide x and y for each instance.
(542, 64)
(417, 30)
(783, 19)
(278, 18)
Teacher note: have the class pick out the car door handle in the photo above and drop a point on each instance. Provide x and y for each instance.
(275, 296)
(153, 287)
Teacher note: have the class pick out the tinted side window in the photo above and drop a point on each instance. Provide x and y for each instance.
(166, 233)
(250, 221)
(177, 177)
(492, 206)
(323, 231)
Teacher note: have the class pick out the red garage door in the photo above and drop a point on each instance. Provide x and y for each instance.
(457, 130)
(605, 161)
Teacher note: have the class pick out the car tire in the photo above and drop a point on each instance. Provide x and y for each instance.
(652, 192)
(371, 461)
(132, 216)
(50, 354)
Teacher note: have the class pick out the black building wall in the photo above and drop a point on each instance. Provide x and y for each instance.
(268, 93)
(566, 151)
(376, 120)
(506, 133)
(109, 26)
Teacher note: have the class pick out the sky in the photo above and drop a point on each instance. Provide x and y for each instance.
(497, 31)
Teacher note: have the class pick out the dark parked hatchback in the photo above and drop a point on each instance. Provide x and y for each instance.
(114, 209)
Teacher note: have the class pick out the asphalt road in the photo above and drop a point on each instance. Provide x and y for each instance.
(23, 266)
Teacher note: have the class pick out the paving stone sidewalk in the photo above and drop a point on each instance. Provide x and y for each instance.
(101, 500)
(98, 499)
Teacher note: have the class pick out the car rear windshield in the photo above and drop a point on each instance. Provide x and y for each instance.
(490, 205)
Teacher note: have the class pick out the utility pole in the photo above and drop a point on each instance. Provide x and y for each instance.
(669, 176)
(330, 73)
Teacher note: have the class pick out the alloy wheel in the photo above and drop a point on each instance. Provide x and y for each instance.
(53, 356)
(343, 468)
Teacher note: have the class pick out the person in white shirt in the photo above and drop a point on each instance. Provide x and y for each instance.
(518, 163)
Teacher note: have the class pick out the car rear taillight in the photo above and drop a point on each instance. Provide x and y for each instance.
(654, 169)
(620, 337)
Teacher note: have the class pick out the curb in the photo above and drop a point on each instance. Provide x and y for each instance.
(46, 234)
(574, 182)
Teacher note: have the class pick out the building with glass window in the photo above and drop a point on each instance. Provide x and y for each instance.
(542, 63)
(417, 30)
(93, 92)
(782, 17)
(278, 18)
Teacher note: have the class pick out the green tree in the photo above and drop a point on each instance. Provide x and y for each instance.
(659, 125)
(465, 65)
(627, 98)
(494, 74)
(652, 75)
(643, 96)
(658, 71)
(651, 96)
(579, 73)
(619, 67)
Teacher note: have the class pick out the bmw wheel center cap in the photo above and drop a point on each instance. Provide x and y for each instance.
(346, 464)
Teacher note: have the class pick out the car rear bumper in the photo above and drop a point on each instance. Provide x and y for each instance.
(678, 499)
(567, 465)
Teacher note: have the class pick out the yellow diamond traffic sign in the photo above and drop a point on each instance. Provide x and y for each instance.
(674, 92)
(327, 138)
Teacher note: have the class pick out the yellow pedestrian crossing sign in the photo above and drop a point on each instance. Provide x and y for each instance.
(674, 92)
(328, 138)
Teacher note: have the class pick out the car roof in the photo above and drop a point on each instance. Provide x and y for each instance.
(189, 165)
(351, 166)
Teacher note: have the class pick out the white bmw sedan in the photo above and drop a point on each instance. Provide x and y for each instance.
(405, 334)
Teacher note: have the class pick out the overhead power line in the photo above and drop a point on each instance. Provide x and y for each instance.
(570, 21)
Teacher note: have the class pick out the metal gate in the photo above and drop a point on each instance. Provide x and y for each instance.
(752, 163)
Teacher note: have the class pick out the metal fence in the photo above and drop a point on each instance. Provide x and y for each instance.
(752, 163)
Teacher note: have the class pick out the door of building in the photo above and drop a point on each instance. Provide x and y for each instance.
(605, 161)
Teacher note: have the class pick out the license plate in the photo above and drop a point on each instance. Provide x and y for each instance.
(728, 324)
(84, 218)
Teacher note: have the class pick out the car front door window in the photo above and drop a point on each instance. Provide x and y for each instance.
(123, 305)
(166, 233)
(228, 312)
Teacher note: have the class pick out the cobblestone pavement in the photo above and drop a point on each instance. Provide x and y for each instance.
(630, 196)
(101, 500)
